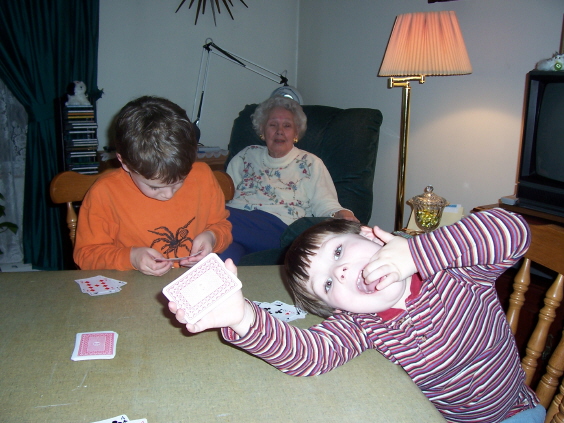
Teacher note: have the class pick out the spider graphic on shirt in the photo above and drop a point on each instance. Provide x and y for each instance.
(171, 241)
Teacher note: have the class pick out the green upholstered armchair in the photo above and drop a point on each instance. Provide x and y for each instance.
(347, 142)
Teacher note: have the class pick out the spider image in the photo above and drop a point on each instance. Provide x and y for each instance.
(173, 242)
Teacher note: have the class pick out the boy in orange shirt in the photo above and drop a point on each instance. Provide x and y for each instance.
(160, 204)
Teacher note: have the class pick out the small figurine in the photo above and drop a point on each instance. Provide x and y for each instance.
(76, 92)
(555, 63)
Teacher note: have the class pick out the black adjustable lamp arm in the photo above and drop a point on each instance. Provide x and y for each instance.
(211, 47)
(208, 46)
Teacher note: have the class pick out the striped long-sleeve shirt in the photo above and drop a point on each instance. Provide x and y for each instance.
(453, 340)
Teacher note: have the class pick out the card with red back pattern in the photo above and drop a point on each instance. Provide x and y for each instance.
(202, 288)
(94, 345)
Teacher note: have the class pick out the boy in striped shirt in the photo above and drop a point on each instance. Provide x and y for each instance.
(427, 303)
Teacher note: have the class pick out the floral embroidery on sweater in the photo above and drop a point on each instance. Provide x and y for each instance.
(268, 181)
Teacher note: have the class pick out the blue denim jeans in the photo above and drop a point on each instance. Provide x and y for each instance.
(532, 415)
(252, 231)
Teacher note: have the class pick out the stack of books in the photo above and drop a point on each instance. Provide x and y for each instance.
(80, 139)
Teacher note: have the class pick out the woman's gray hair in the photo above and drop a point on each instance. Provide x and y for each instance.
(260, 116)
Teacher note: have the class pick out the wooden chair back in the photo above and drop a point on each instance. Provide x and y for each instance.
(70, 187)
(226, 184)
(547, 245)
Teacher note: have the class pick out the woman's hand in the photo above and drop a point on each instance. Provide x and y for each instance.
(345, 214)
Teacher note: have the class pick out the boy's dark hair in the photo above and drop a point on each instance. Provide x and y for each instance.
(298, 261)
(155, 139)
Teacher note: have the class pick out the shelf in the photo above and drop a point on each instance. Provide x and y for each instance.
(79, 138)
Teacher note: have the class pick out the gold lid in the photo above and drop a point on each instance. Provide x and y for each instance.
(427, 200)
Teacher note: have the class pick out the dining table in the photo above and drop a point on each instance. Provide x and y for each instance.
(164, 374)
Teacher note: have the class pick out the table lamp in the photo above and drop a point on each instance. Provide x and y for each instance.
(421, 44)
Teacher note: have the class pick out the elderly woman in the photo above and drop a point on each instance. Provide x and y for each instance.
(277, 184)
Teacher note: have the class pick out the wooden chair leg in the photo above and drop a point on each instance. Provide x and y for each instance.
(554, 370)
(537, 341)
(555, 414)
(517, 298)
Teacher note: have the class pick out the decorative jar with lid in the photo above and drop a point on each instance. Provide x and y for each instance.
(427, 209)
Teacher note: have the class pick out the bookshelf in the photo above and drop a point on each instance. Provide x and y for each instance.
(79, 133)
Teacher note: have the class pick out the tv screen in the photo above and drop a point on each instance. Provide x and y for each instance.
(541, 172)
(550, 131)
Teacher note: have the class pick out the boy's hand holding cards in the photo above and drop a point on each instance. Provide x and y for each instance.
(202, 288)
(159, 260)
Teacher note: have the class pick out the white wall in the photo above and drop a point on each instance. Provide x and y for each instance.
(145, 48)
(465, 130)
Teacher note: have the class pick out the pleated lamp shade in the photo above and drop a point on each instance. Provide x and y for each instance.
(426, 43)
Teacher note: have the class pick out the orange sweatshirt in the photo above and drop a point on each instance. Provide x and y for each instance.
(116, 216)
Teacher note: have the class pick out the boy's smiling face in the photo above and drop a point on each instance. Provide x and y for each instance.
(336, 276)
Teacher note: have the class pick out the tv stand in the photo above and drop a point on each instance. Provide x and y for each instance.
(534, 213)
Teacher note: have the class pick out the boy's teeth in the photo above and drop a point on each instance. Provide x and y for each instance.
(367, 289)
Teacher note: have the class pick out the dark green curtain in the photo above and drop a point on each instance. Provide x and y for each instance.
(45, 45)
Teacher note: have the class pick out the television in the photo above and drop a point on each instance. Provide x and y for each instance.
(540, 184)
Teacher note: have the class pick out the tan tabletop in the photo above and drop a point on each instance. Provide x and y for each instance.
(162, 373)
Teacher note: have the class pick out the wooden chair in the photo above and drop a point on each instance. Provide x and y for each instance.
(226, 184)
(70, 187)
(547, 245)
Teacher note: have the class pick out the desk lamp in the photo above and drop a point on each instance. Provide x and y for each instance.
(210, 47)
(421, 44)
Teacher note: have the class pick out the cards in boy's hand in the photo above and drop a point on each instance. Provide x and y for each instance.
(158, 260)
(99, 285)
(202, 288)
(94, 345)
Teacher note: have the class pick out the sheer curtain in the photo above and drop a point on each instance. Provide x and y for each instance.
(13, 135)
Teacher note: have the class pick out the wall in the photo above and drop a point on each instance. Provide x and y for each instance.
(146, 48)
(465, 130)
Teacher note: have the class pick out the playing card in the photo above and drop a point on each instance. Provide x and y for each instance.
(202, 288)
(99, 285)
(282, 311)
(121, 419)
(158, 260)
(94, 345)
(117, 419)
